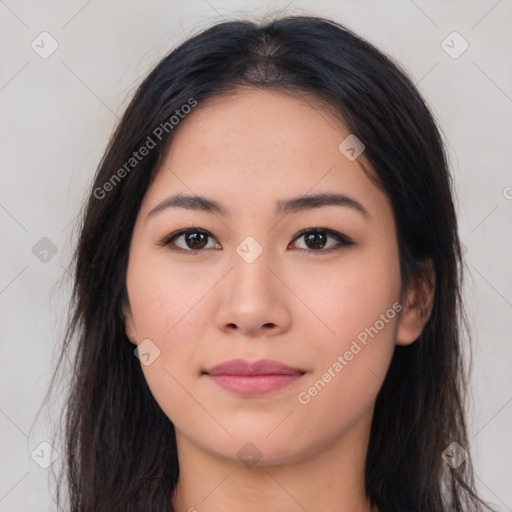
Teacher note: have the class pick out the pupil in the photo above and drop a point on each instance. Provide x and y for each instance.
(197, 240)
(317, 240)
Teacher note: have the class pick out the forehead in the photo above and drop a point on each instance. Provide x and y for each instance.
(249, 119)
(254, 145)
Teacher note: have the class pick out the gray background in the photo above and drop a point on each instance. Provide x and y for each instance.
(58, 112)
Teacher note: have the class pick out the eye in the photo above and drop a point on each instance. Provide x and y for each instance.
(191, 240)
(194, 240)
(322, 240)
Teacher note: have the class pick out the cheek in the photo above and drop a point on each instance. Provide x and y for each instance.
(360, 305)
(168, 307)
(348, 295)
(165, 298)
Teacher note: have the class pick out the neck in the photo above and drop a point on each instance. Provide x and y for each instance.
(329, 480)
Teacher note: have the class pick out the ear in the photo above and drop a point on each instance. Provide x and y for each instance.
(417, 305)
(129, 324)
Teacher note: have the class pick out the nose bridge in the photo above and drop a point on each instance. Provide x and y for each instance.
(250, 273)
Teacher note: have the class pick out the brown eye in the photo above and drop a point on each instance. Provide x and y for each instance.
(321, 240)
(315, 240)
(196, 240)
(191, 240)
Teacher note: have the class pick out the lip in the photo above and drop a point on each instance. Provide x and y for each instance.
(253, 378)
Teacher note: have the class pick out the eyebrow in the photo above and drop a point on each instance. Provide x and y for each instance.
(295, 204)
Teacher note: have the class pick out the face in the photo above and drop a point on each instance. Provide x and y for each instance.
(262, 270)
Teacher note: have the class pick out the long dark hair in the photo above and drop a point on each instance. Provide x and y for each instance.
(120, 448)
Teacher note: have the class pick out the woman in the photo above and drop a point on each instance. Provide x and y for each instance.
(267, 288)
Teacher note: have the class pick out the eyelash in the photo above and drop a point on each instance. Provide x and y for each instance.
(343, 240)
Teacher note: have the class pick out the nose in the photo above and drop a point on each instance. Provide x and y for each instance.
(253, 301)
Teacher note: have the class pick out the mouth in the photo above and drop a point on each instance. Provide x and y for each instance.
(253, 378)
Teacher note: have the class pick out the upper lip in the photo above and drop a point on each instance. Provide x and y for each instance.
(259, 367)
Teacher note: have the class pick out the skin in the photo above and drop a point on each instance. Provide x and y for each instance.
(246, 151)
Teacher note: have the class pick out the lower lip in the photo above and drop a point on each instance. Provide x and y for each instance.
(255, 384)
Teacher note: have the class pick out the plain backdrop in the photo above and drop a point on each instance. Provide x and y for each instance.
(58, 110)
